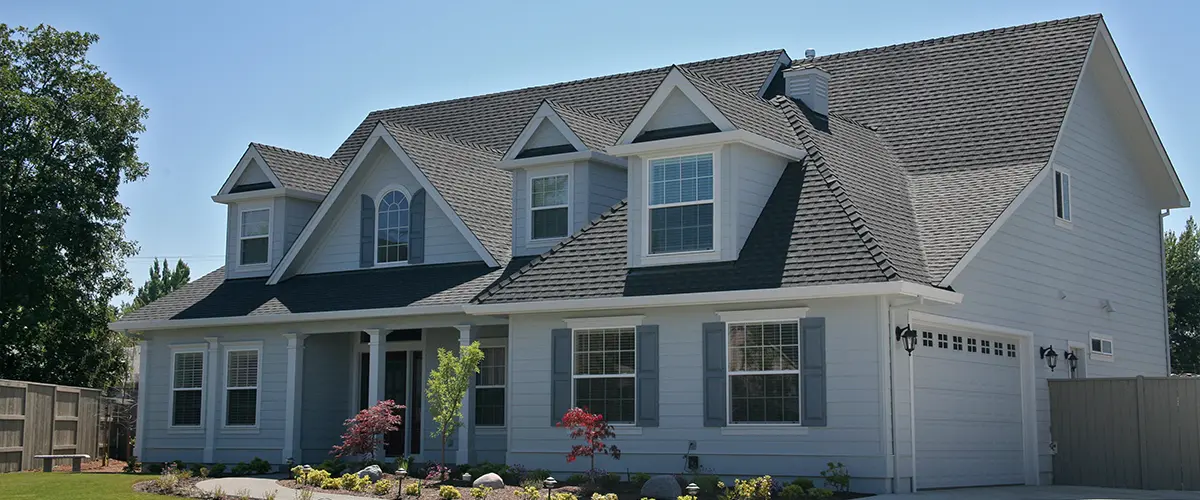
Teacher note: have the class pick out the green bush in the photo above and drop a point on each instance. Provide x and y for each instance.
(413, 489)
(792, 492)
(707, 483)
(818, 494)
(354, 482)
(538, 475)
(448, 492)
(217, 470)
(259, 466)
(155, 468)
(383, 487)
(488, 468)
(577, 479)
(563, 496)
(804, 482)
(758, 488)
(481, 492)
(529, 492)
(639, 478)
(179, 464)
(836, 476)
(131, 466)
(335, 467)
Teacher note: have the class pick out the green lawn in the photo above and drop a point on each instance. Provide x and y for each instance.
(55, 485)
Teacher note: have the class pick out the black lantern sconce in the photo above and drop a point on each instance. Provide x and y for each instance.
(1051, 357)
(907, 335)
(1072, 360)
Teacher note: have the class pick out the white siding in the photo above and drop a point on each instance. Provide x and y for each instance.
(676, 111)
(337, 247)
(252, 175)
(546, 135)
(854, 434)
(1035, 275)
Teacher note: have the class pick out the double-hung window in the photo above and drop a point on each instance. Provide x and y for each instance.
(604, 372)
(1062, 195)
(1102, 347)
(764, 372)
(681, 204)
(548, 206)
(187, 388)
(254, 236)
(241, 387)
(489, 388)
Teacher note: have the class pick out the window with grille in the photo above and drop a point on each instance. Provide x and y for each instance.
(764, 372)
(254, 237)
(958, 343)
(548, 206)
(604, 372)
(985, 347)
(971, 346)
(187, 388)
(241, 388)
(942, 341)
(927, 339)
(1012, 350)
(392, 221)
(681, 204)
(489, 388)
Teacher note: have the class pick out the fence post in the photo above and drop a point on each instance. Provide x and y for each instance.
(1143, 460)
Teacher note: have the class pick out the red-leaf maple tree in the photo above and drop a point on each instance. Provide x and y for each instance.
(365, 432)
(594, 430)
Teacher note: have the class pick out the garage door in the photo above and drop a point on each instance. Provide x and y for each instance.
(968, 410)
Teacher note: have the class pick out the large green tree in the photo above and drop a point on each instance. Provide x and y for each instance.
(162, 281)
(68, 140)
(1183, 296)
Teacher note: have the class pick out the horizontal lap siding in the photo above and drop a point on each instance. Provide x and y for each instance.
(606, 187)
(326, 386)
(854, 435)
(1111, 252)
(757, 172)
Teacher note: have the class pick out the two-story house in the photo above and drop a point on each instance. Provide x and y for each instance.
(718, 256)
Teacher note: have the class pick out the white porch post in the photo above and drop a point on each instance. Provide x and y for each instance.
(466, 334)
(375, 373)
(143, 374)
(292, 414)
(214, 365)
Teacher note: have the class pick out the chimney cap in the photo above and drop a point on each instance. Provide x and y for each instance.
(810, 53)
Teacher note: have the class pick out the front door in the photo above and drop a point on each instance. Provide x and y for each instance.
(402, 380)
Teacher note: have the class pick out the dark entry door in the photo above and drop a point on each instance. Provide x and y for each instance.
(395, 388)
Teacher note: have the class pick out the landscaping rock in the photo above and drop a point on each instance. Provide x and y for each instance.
(491, 480)
(372, 472)
(661, 488)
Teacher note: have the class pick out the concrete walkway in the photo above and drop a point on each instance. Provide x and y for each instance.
(258, 488)
(1043, 493)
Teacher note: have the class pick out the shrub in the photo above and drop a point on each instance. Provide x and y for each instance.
(314, 477)
(836, 477)
(488, 468)
(383, 487)
(241, 469)
(217, 470)
(243, 494)
(803, 482)
(685, 497)
(259, 466)
(577, 479)
(613, 496)
(537, 475)
(792, 492)
(480, 492)
(529, 493)
(332, 483)
(354, 482)
(334, 466)
(271, 495)
(304, 495)
(639, 479)
(758, 488)
(203, 473)
(132, 465)
(594, 430)
(437, 472)
(179, 464)
(365, 431)
(413, 489)
(818, 493)
(154, 468)
(563, 496)
(707, 483)
(447, 492)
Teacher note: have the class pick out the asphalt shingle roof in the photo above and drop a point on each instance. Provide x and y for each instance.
(595, 131)
(301, 171)
(746, 111)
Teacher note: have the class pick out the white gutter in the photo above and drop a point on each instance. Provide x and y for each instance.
(926, 292)
(270, 319)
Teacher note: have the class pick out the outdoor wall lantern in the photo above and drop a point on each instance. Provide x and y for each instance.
(907, 335)
(1051, 357)
(1072, 361)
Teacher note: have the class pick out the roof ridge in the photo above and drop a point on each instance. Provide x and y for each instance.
(257, 145)
(440, 137)
(556, 104)
(954, 38)
(495, 287)
(579, 81)
(792, 114)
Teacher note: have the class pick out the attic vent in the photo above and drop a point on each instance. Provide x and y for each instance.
(808, 84)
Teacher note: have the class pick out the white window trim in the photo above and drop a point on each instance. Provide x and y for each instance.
(1100, 356)
(1064, 222)
(502, 425)
(255, 207)
(759, 428)
(230, 347)
(375, 234)
(188, 429)
(604, 322)
(574, 377)
(763, 315)
(531, 209)
(649, 258)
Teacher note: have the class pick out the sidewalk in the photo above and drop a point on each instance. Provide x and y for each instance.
(258, 488)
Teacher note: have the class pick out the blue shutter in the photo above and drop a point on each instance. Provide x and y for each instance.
(812, 374)
(366, 251)
(647, 376)
(560, 373)
(416, 228)
(714, 375)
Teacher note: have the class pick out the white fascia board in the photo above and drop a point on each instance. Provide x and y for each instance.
(270, 319)
(543, 113)
(267, 193)
(594, 156)
(674, 80)
(1103, 34)
(926, 292)
(250, 154)
(714, 139)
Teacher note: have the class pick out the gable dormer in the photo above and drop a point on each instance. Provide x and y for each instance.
(703, 159)
(561, 180)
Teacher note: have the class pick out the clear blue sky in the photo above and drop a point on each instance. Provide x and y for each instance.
(301, 75)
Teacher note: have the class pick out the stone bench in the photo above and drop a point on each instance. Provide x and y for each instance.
(48, 461)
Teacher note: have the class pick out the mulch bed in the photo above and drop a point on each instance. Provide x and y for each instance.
(184, 488)
(430, 490)
(93, 466)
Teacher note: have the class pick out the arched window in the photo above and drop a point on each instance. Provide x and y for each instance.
(391, 241)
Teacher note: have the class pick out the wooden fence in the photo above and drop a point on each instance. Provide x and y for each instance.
(1141, 433)
(40, 419)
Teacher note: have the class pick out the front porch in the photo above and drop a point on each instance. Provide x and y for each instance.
(332, 376)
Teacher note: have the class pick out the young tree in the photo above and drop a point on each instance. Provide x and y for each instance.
(161, 282)
(1182, 253)
(367, 430)
(68, 140)
(447, 387)
(594, 430)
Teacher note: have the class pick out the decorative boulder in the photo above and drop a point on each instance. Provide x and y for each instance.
(491, 480)
(372, 472)
(661, 488)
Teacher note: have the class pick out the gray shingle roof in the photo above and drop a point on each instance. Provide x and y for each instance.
(595, 131)
(301, 171)
(747, 111)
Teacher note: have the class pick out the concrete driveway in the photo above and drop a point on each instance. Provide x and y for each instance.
(1044, 493)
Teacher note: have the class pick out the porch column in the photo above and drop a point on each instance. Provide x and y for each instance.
(375, 373)
(466, 334)
(140, 425)
(293, 413)
(215, 366)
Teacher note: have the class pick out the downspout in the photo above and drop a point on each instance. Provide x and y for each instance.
(890, 323)
(1162, 252)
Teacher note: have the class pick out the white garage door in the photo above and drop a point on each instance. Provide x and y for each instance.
(968, 410)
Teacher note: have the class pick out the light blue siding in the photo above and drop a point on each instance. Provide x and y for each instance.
(676, 111)
(607, 186)
(326, 396)
(296, 214)
(755, 172)
(595, 187)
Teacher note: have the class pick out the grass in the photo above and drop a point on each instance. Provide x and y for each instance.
(42, 485)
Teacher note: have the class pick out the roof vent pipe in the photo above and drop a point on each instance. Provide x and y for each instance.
(808, 83)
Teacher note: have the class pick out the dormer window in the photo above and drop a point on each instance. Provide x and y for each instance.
(392, 219)
(548, 205)
(254, 237)
(681, 204)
